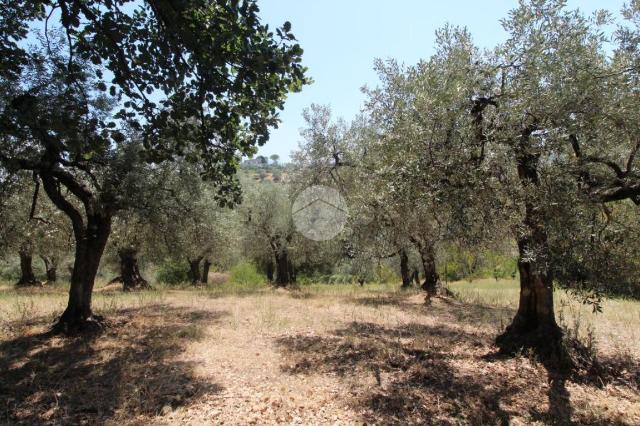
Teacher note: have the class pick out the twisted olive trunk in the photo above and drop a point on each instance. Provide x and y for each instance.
(90, 244)
(284, 269)
(129, 270)
(534, 325)
(404, 269)
(428, 258)
(50, 267)
(285, 273)
(27, 277)
(204, 279)
(194, 270)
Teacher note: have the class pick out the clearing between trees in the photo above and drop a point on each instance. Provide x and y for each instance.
(320, 354)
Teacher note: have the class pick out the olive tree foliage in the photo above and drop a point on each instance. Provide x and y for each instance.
(201, 80)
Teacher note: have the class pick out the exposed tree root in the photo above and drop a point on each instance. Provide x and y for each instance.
(29, 283)
(436, 291)
(137, 284)
(94, 324)
(563, 356)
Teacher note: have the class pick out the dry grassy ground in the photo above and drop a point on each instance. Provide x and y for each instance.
(321, 355)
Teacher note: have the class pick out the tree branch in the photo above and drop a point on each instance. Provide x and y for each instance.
(53, 191)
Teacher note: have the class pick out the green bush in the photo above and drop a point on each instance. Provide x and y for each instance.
(9, 271)
(453, 271)
(246, 274)
(384, 274)
(172, 272)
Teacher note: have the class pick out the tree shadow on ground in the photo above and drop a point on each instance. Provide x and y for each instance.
(422, 374)
(410, 383)
(493, 317)
(131, 370)
(595, 374)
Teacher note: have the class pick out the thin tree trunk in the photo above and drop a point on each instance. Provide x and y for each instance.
(534, 325)
(130, 271)
(204, 279)
(27, 277)
(404, 269)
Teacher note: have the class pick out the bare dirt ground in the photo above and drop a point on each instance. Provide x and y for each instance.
(279, 357)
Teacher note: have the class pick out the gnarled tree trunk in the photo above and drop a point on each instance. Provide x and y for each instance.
(431, 277)
(534, 325)
(27, 277)
(404, 269)
(90, 243)
(285, 273)
(282, 269)
(50, 267)
(416, 276)
(269, 270)
(428, 258)
(194, 270)
(204, 279)
(130, 271)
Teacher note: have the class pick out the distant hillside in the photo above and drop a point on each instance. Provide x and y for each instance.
(270, 173)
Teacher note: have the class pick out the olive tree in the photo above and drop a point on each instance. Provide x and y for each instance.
(187, 221)
(197, 80)
(558, 113)
(270, 234)
(32, 227)
(426, 150)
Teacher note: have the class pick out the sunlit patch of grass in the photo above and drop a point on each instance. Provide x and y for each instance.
(487, 291)
(617, 327)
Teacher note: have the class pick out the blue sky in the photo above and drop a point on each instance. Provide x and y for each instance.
(341, 39)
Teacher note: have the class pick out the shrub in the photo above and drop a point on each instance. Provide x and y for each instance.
(9, 271)
(172, 272)
(385, 274)
(246, 274)
(453, 271)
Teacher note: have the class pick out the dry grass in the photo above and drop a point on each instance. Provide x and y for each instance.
(323, 354)
(616, 330)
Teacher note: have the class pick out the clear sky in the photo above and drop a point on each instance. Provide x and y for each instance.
(341, 39)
